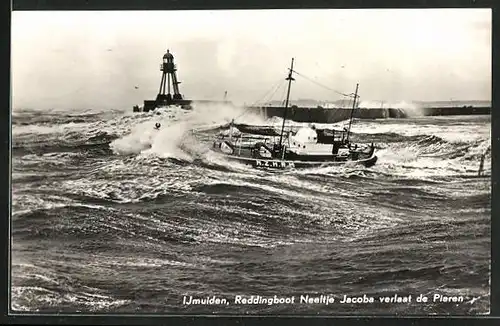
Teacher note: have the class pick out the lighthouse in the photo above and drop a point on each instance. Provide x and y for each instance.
(168, 78)
(168, 83)
(169, 93)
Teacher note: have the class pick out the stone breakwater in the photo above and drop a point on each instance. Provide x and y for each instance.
(324, 115)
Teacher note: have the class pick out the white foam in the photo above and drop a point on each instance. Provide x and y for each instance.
(452, 133)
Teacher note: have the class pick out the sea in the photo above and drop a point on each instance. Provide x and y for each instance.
(110, 215)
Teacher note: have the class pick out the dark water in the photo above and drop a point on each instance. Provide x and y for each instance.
(110, 216)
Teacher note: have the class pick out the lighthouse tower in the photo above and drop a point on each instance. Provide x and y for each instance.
(168, 78)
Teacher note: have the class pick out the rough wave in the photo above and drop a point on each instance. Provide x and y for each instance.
(111, 215)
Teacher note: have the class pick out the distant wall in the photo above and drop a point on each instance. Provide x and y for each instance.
(468, 110)
(322, 115)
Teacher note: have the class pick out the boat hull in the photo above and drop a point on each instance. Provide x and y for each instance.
(295, 164)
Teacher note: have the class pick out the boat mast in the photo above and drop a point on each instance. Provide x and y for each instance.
(231, 124)
(289, 78)
(352, 111)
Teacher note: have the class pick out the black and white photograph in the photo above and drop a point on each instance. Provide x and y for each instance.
(292, 162)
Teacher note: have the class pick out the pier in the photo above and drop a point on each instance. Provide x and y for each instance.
(332, 115)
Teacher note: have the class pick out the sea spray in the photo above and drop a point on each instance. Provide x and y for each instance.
(212, 113)
(165, 143)
(144, 133)
(453, 133)
(174, 136)
(146, 139)
(410, 109)
(418, 158)
(138, 140)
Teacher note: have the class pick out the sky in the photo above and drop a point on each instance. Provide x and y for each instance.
(95, 59)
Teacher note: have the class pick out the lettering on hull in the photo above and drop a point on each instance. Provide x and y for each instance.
(274, 164)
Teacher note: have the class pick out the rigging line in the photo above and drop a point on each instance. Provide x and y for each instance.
(270, 97)
(283, 97)
(275, 91)
(342, 107)
(321, 85)
(275, 86)
(348, 107)
(355, 106)
(337, 110)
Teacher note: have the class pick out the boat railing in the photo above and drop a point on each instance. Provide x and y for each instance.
(238, 137)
